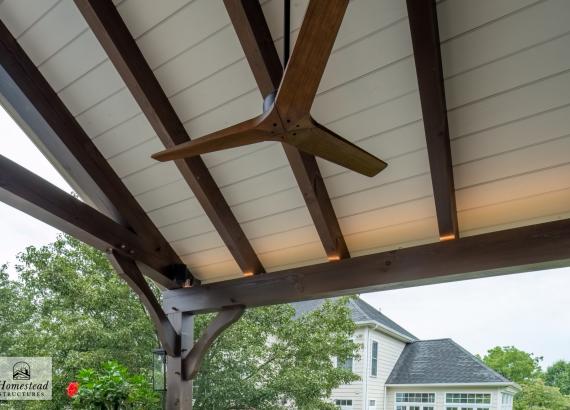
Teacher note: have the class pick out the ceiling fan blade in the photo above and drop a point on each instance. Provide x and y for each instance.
(309, 58)
(244, 133)
(322, 142)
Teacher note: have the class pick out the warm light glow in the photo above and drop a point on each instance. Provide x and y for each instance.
(333, 258)
(248, 274)
(447, 237)
(187, 283)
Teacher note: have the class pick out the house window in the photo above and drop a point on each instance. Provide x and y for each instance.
(371, 404)
(344, 364)
(415, 401)
(374, 355)
(506, 401)
(467, 401)
(343, 404)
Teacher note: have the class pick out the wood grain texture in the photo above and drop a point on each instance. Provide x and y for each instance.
(252, 131)
(111, 31)
(321, 141)
(309, 58)
(224, 319)
(515, 250)
(427, 55)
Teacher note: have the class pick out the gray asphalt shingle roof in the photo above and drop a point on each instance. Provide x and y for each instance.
(360, 312)
(440, 361)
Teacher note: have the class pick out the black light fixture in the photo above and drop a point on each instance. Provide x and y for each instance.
(159, 370)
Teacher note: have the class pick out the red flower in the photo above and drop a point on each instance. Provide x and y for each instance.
(72, 389)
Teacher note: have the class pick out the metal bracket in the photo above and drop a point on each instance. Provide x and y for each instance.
(224, 319)
(130, 272)
(181, 275)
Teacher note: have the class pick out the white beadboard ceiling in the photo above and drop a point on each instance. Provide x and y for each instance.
(507, 77)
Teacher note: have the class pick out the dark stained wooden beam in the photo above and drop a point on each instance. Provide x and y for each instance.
(111, 31)
(58, 132)
(425, 39)
(130, 273)
(224, 319)
(515, 250)
(255, 38)
(35, 196)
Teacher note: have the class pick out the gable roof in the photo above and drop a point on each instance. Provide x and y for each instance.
(441, 361)
(360, 312)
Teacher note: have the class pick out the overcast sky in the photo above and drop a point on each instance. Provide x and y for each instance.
(530, 311)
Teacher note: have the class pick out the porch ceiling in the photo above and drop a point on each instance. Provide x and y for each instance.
(507, 82)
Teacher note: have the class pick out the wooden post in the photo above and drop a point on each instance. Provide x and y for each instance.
(178, 390)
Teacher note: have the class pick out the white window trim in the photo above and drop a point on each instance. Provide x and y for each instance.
(505, 406)
(351, 364)
(344, 406)
(372, 340)
(420, 404)
(468, 405)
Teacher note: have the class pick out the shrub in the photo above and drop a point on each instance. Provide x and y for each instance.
(112, 388)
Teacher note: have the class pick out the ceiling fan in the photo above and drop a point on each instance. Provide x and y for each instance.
(286, 116)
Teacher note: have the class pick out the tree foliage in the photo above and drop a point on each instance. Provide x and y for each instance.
(113, 388)
(537, 396)
(516, 365)
(269, 358)
(68, 303)
(524, 368)
(558, 375)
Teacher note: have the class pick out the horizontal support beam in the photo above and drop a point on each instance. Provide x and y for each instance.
(515, 250)
(36, 197)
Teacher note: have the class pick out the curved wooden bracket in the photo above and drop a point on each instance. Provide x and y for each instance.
(130, 272)
(224, 319)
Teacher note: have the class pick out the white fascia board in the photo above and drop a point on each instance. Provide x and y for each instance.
(488, 384)
(387, 330)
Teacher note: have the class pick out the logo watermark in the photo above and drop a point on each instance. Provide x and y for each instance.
(25, 378)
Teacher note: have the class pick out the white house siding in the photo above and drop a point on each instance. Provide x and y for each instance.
(353, 391)
(371, 388)
(440, 394)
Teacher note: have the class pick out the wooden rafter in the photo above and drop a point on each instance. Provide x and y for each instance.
(425, 39)
(111, 31)
(73, 149)
(35, 196)
(515, 250)
(255, 38)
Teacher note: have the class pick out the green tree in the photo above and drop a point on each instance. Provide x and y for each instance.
(537, 396)
(516, 365)
(69, 304)
(12, 311)
(558, 375)
(270, 357)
